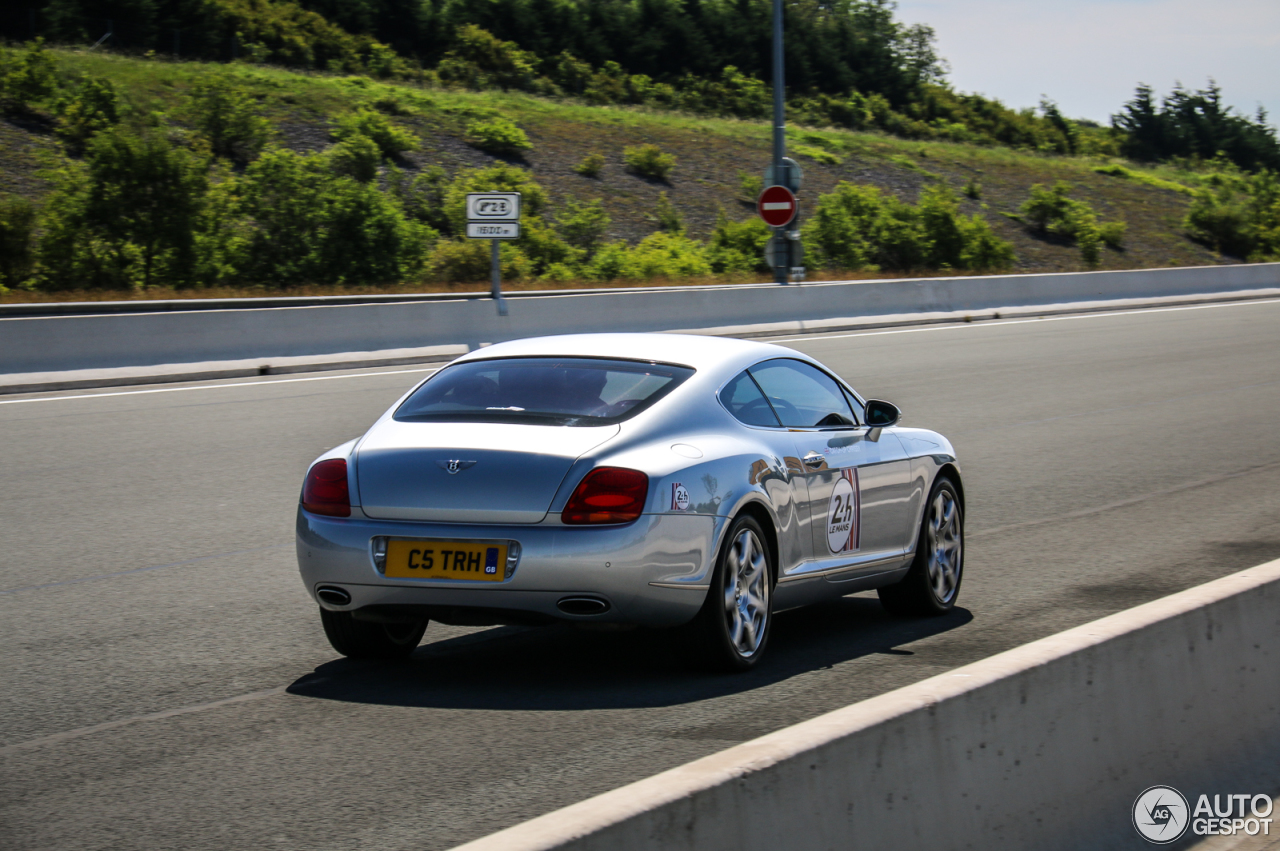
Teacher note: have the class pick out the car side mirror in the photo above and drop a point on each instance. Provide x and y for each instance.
(881, 414)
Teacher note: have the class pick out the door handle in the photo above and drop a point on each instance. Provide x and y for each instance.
(814, 459)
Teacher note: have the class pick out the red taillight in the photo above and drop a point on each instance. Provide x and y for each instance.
(326, 489)
(607, 495)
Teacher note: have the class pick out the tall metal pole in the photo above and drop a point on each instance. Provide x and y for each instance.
(495, 288)
(780, 175)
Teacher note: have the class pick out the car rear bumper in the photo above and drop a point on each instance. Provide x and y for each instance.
(654, 572)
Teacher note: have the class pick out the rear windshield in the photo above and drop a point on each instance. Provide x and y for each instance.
(543, 391)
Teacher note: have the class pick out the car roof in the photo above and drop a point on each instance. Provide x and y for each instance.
(702, 353)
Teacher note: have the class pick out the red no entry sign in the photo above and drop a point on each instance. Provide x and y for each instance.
(777, 206)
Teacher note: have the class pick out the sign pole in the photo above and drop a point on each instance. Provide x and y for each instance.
(496, 288)
(780, 171)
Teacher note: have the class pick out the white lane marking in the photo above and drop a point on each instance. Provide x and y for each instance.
(67, 735)
(992, 323)
(217, 386)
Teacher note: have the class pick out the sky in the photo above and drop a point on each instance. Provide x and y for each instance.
(1090, 55)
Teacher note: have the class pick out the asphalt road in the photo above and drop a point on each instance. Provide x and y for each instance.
(166, 683)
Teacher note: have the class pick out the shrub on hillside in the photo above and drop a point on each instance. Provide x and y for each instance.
(1049, 210)
(666, 216)
(749, 187)
(17, 227)
(478, 60)
(583, 225)
(91, 108)
(497, 136)
(423, 198)
(649, 161)
(357, 157)
(390, 139)
(659, 255)
(738, 246)
(228, 118)
(858, 228)
(27, 76)
(591, 166)
(1238, 215)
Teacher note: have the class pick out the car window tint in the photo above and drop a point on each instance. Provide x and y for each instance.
(745, 401)
(802, 395)
(554, 391)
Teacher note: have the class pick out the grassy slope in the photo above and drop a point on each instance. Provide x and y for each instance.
(711, 153)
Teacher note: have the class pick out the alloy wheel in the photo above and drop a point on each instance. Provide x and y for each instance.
(946, 546)
(746, 593)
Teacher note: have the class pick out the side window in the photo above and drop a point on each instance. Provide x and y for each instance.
(744, 401)
(802, 395)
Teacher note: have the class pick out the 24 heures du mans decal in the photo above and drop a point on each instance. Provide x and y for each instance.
(844, 513)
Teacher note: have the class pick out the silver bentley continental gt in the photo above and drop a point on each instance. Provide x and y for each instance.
(644, 479)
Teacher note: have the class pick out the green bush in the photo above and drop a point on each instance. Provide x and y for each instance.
(749, 187)
(357, 157)
(1238, 215)
(423, 198)
(1049, 210)
(956, 241)
(93, 107)
(460, 261)
(667, 216)
(659, 255)
(390, 139)
(27, 76)
(858, 228)
(649, 161)
(478, 60)
(591, 166)
(583, 225)
(17, 226)
(738, 246)
(468, 261)
(497, 136)
(973, 189)
(125, 218)
(228, 118)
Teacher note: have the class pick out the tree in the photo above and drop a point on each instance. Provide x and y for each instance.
(125, 218)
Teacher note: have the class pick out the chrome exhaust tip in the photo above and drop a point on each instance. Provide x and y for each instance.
(583, 605)
(333, 595)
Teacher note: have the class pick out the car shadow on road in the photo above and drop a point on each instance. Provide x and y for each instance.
(564, 668)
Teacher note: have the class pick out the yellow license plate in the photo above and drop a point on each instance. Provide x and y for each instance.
(446, 560)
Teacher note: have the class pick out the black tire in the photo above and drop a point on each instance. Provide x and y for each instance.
(932, 584)
(368, 640)
(737, 617)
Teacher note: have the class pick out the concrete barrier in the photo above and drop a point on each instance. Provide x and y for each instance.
(52, 343)
(1046, 746)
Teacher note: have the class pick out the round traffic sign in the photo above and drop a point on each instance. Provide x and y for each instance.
(777, 206)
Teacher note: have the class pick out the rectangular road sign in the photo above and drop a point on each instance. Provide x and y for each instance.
(493, 230)
(493, 206)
